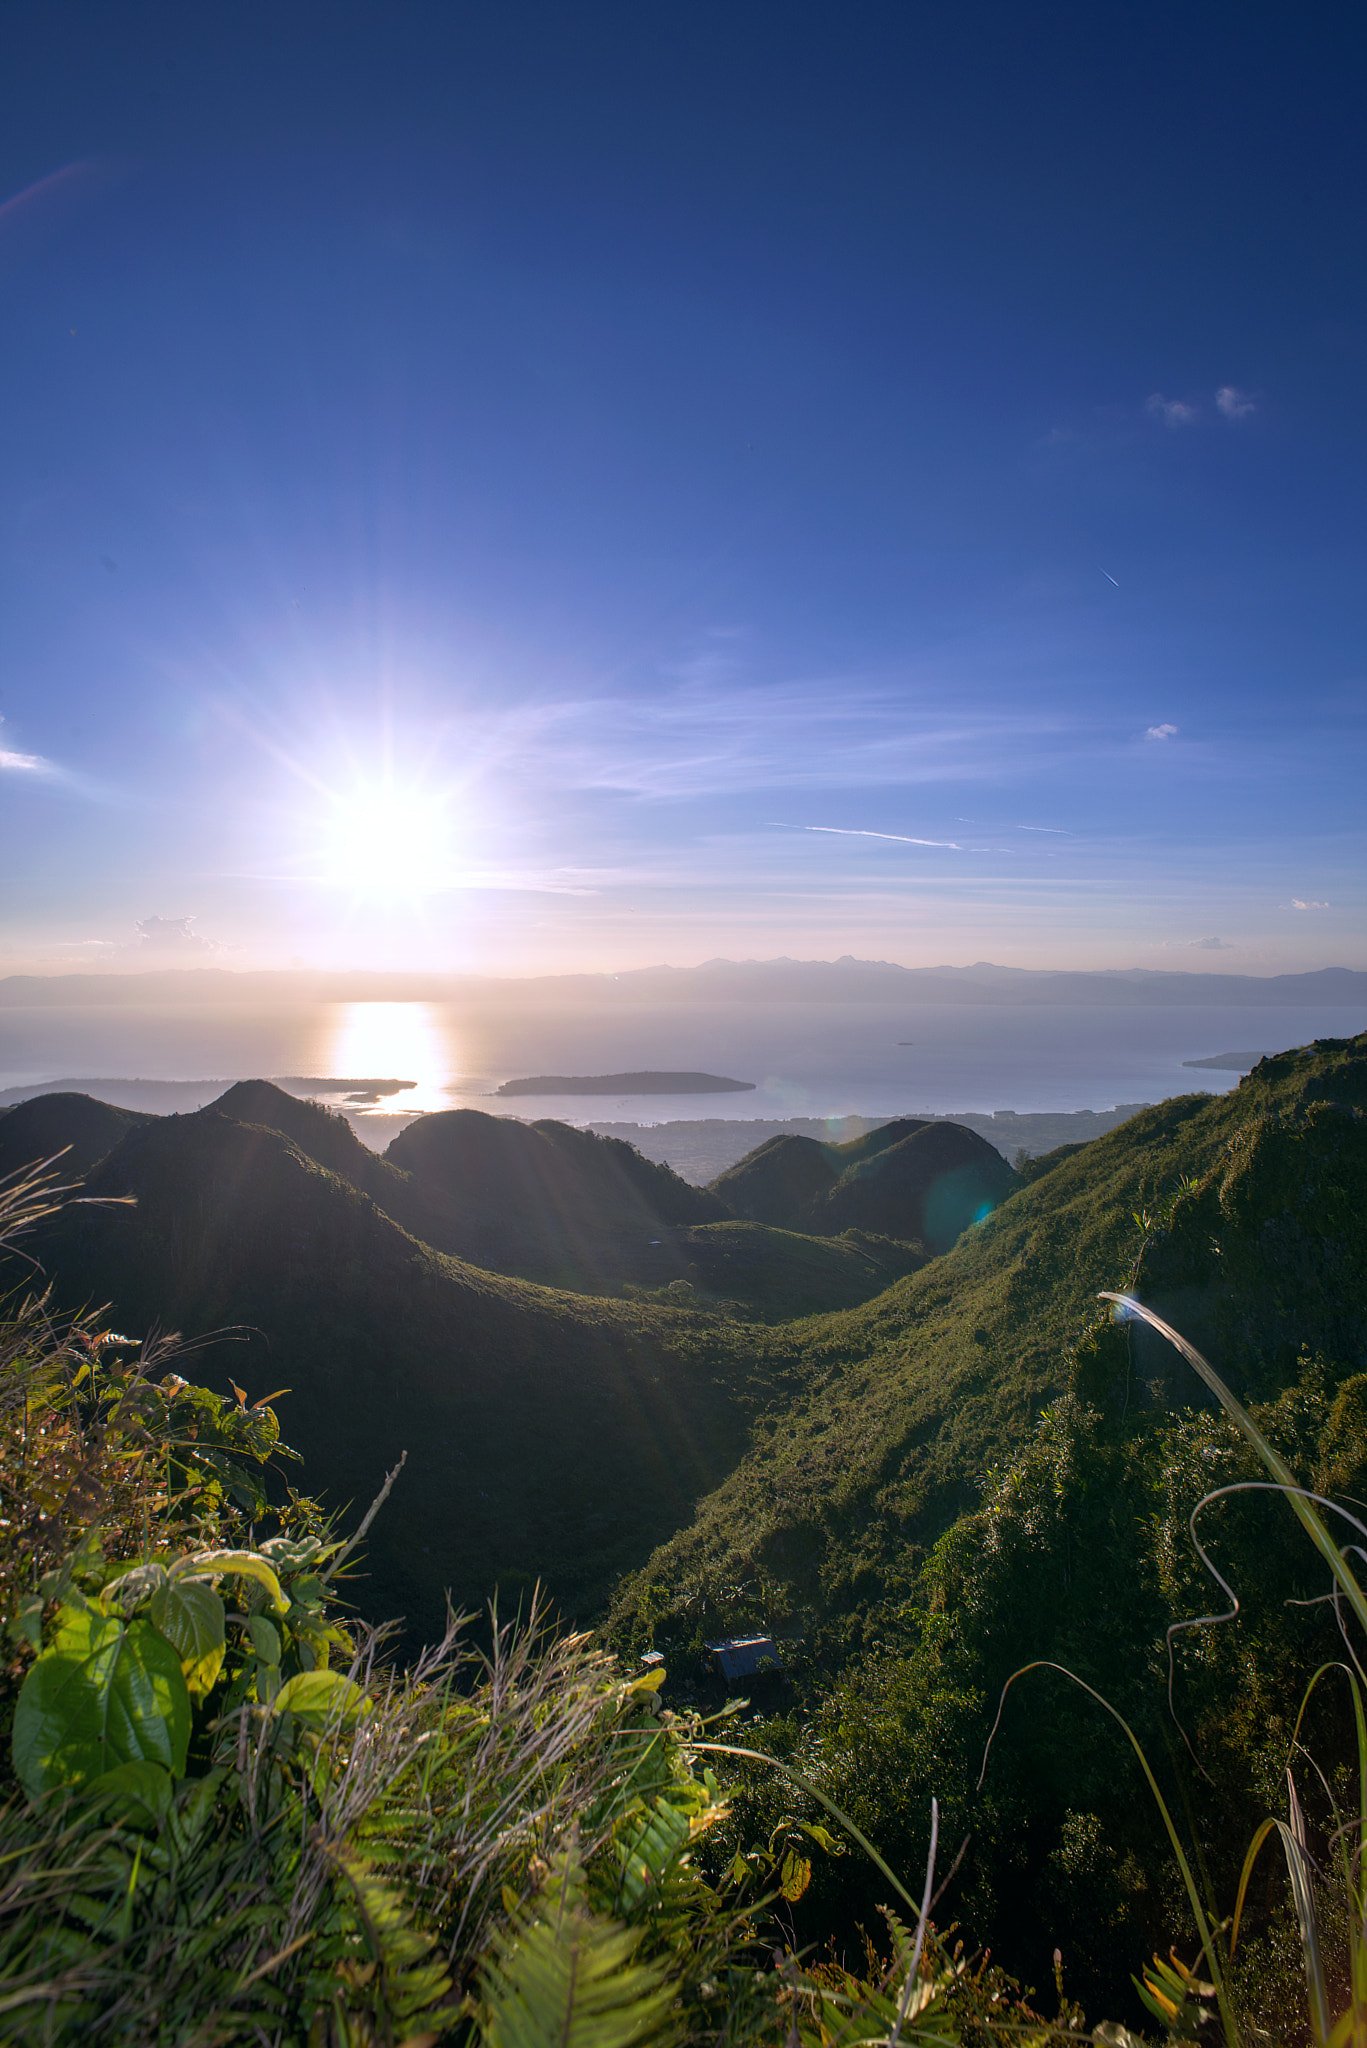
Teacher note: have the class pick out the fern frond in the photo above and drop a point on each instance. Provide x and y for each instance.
(562, 1976)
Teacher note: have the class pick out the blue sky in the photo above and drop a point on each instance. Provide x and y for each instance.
(541, 487)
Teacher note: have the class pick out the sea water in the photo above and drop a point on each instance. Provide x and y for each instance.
(804, 1059)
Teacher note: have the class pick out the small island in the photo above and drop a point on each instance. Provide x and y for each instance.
(624, 1084)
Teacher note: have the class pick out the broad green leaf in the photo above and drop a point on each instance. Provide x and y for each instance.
(322, 1695)
(192, 1619)
(83, 1627)
(103, 1695)
(246, 1564)
(265, 1638)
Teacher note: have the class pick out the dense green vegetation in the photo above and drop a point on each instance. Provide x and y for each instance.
(968, 1470)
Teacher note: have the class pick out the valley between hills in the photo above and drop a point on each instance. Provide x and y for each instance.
(861, 1398)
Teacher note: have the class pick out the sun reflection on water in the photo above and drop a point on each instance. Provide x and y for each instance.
(395, 1042)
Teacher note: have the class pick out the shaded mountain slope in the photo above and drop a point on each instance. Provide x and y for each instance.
(544, 1172)
(538, 1202)
(76, 1125)
(916, 1179)
(549, 1435)
(1253, 1244)
(778, 1182)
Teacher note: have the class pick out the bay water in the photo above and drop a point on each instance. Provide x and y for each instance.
(804, 1059)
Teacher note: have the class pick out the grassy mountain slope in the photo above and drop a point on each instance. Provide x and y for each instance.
(993, 1472)
(909, 1399)
(913, 1179)
(549, 1435)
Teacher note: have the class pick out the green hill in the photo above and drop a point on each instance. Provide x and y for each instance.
(915, 1179)
(543, 1197)
(956, 1473)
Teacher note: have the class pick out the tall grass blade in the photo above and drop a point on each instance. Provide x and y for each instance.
(1203, 1928)
(1249, 1430)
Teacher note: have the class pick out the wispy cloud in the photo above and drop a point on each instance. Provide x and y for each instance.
(1162, 732)
(1061, 830)
(857, 832)
(36, 198)
(1211, 945)
(1233, 403)
(1309, 903)
(1174, 412)
(13, 763)
(706, 738)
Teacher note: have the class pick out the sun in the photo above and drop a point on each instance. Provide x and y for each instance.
(384, 843)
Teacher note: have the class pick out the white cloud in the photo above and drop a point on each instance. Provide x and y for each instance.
(1162, 732)
(1308, 904)
(1174, 412)
(1233, 403)
(171, 935)
(1211, 945)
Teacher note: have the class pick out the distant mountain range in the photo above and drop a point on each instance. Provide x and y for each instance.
(845, 980)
